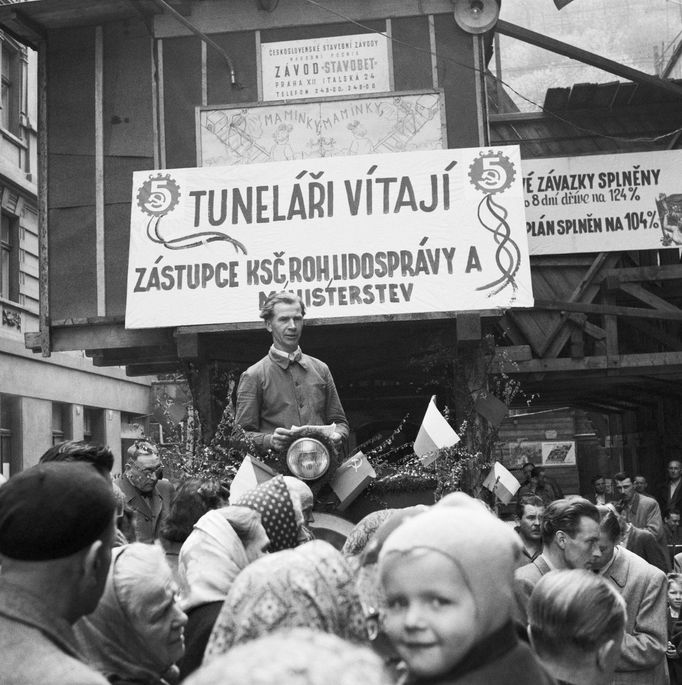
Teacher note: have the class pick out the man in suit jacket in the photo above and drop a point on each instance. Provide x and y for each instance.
(641, 511)
(570, 539)
(669, 495)
(644, 589)
(599, 494)
(642, 543)
(149, 497)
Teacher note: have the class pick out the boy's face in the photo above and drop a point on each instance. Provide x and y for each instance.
(675, 595)
(430, 612)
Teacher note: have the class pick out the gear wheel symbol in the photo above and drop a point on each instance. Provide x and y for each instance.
(159, 195)
(492, 172)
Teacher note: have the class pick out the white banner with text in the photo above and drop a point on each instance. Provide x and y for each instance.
(372, 235)
(603, 203)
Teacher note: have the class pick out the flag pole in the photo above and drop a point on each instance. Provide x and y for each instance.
(496, 504)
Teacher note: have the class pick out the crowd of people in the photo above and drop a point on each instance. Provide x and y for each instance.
(132, 580)
(137, 581)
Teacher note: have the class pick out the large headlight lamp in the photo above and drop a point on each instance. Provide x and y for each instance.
(308, 459)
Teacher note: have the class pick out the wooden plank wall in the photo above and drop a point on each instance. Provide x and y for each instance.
(533, 427)
(71, 173)
(182, 74)
(127, 146)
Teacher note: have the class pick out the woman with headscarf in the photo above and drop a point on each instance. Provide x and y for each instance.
(309, 586)
(135, 636)
(301, 656)
(280, 512)
(192, 499)
(362, 551)
(363, 532)
(223, 542)
(304, 500)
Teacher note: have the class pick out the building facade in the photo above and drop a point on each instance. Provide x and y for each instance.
(64, 396)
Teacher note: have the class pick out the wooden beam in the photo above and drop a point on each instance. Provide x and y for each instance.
(98, 101)
(593, 331)
(150, 369)
(189, 345)
(560, 48)
(141, 355)
(585, 290)
(103, 336)
(469, 328)
(642, 294)
(646, 273)
(513, 353)
(614, 310)
(24, 29)
(626, 362)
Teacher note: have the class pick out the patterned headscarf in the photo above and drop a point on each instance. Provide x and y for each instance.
(363, 532)
(298, 657)
(309, 586)
(276, 508)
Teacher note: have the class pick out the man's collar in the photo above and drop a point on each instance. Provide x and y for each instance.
(603, 571)
(283, 359)
(547, 561)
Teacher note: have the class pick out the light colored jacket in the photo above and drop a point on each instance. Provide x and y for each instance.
(38, 647)
(644, 589)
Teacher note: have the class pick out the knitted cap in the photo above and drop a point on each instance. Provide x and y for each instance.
(484, 548)
(53, 510)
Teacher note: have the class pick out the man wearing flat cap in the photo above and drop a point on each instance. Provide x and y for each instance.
(56, 532)
(147, 495)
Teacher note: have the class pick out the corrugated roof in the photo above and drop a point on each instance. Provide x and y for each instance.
(591, 118)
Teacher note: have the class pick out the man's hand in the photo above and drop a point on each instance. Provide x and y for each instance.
(280, 439)
(336, 438)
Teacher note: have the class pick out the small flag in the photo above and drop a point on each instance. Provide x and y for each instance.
(351, 478)
(501, 482)
(434, 434)
(250, 474)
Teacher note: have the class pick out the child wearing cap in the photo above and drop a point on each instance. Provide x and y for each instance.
(448, 575)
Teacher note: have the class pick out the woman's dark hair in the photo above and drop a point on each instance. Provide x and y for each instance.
(192, 500)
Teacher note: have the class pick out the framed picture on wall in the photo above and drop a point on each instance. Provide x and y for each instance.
(515, 454)
(558, 453)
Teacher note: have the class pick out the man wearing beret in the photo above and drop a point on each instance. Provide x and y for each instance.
(149, 497)
(56, 532)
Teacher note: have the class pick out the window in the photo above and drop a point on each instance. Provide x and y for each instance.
(8, 414)
(10, 88)
(93, 425)
(61, 424)
(9, 261)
